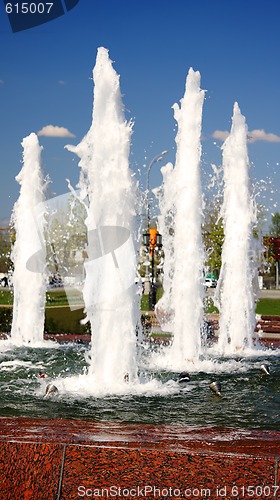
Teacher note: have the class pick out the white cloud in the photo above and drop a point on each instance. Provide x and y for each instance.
(1, 82)
(221, 135)
(261, 135)
(55, 131)
(253, 136)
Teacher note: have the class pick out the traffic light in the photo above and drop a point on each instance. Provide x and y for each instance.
(153, 238)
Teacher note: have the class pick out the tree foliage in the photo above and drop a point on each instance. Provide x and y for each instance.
(275, 225)
(5, 251)
(213, 236)
(66, 237)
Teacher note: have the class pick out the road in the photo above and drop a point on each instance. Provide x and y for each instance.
(263, 294)
(269, 294)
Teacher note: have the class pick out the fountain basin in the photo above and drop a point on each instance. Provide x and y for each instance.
(70, 459)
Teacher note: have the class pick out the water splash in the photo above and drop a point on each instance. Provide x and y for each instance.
(236, 291)
(110, 294)
(181, 308)
(29, 221)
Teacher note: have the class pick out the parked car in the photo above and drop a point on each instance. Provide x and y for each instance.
(210, 283)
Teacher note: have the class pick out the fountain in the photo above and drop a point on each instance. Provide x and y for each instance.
(97, 417)
(108, 193)
(109, 291)
(236, 291)
(29, 252)
(181, 308)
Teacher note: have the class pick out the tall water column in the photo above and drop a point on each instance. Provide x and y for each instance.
(110, 293)
(236, 291)
(29, 251)
(181, 307)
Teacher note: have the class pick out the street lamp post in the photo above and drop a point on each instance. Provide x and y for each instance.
(148, 289)
(154, 160)
(153, 292)
(153, 242)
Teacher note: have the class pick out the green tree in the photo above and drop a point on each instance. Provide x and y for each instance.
(270, 265)
(66, 237)
(5, 250)
(213, 236)
(275, 225)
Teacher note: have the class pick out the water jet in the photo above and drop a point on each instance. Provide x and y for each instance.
(110, 380)
(237, 288)
(29, 285)
(181, 308)
(50, 389)
(216, 387)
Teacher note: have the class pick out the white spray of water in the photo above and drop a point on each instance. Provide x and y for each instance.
(29, 251)
(181, 307)
(237, 283)
(110, 295)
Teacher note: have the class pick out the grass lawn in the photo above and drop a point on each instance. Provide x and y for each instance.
(6, 297)
(265, 307)
(145, 303)
(59, 298)
(268, 307)
(64, 320)
(53, 297)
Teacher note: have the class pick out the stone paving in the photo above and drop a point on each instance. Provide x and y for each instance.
(42, 459)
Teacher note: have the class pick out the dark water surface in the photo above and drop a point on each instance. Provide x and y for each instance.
(249, 399)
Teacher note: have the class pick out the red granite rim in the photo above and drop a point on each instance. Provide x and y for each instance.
(119, 435)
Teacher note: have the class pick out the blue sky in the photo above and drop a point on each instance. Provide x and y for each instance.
(46, 71)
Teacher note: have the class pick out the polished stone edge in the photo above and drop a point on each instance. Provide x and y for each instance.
(44, 459)
(180, 437)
